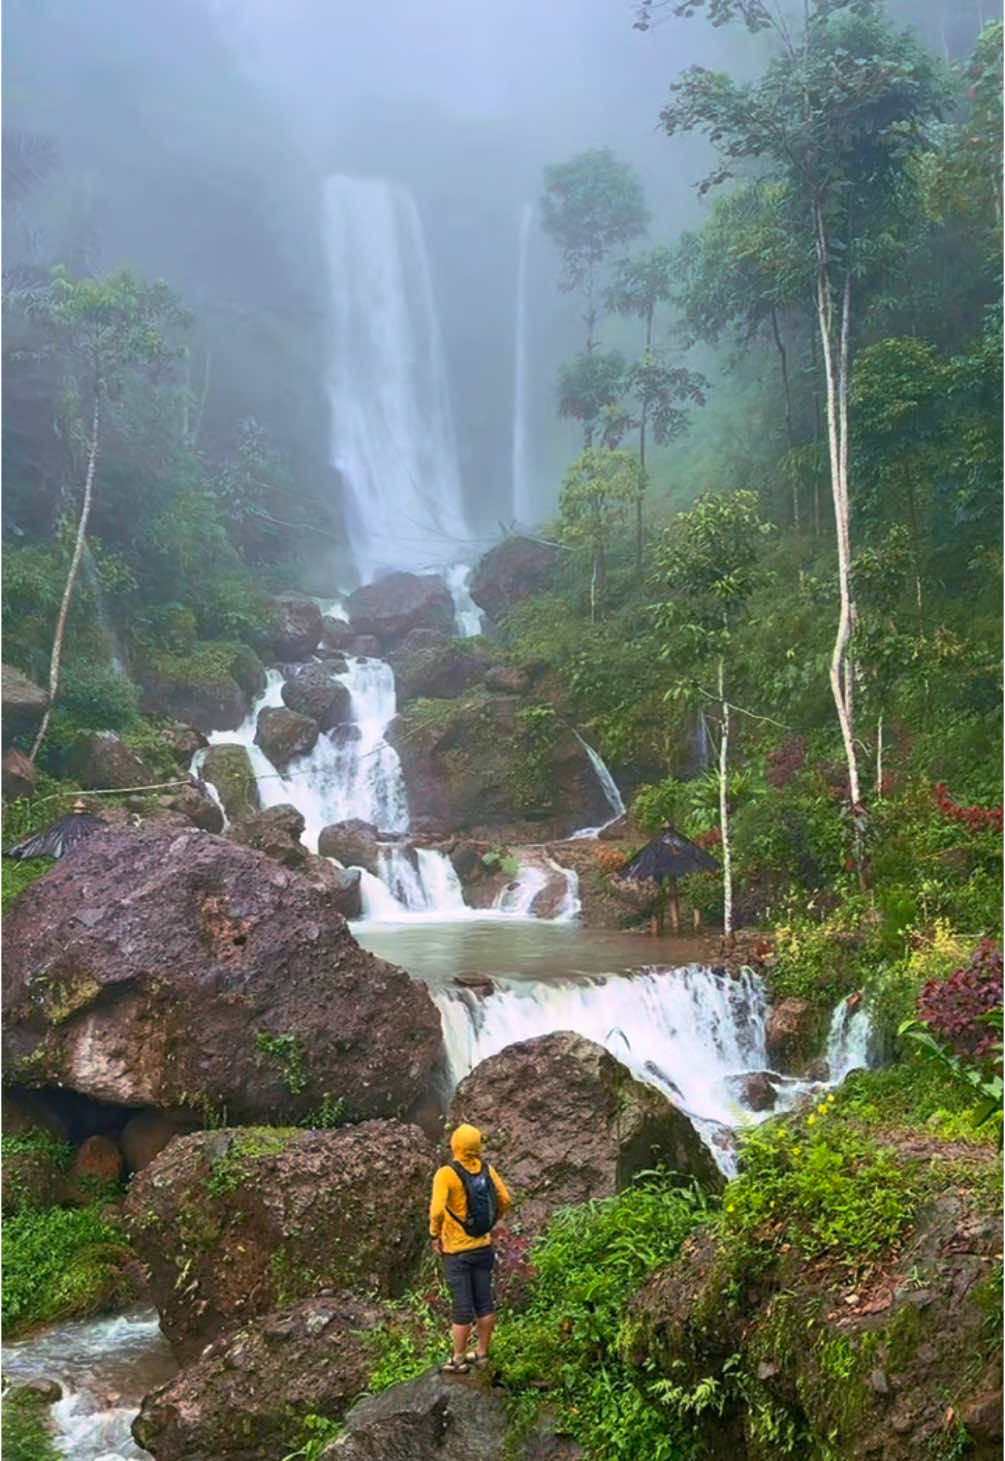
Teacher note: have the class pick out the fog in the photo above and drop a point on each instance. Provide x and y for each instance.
(193, 138)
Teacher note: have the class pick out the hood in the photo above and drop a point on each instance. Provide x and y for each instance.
(466, 1143)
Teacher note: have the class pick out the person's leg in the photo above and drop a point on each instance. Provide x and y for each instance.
(461, 1334)
(483, 1299)
(457, 1272)
(485, 1325)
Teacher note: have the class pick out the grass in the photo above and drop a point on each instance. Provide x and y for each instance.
(62, 1263)
(27, 1431)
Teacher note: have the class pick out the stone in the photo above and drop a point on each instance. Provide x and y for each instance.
(439, 670)
(353, 843)
(513, 570)
(276, 832)
(247, 1395)
(283, 735)
(19, 775)
(260, 1215)
(32, 1176)
(43, 1392)
(100, 760)
(196, 805)
(249, 672)
(97, 1164)
(982, 1417)
(566, 1122)
(296, 627)
(367, 646)
(336, 634)
(210, 699)
(183, 742)
(792, 1029)
(451, 1418)
(22, 703)
(310, 690)
(148, 1133)
(756, 1089)
(163, 967)
(392, 606)
(508, 679)
(229, 768)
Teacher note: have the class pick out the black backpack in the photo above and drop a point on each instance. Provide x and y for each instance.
(480, 1191)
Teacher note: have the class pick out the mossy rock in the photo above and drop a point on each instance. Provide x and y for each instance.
(229, 769)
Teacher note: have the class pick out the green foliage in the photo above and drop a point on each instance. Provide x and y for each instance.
(498, 859)
(37, 1141)
(27, 1430)
(588, 391)
(288, 1052)
(93, 696)
(318, 1432)
(62, 1263)
(590, 205)
(411, 1342)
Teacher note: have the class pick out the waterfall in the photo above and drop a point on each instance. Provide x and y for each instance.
(467, 614)
(524, 509)
(608, 786)
(848, 1039)
(392, 433)
(440, 882)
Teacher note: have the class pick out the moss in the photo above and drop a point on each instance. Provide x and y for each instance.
(27, 1429)
(17, 876)
(62, 1264)
(59, 999)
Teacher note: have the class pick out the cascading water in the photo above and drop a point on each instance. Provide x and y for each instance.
(392, 432)
(608, 786)
(467, 614)
(848, 1039)
(524, 509)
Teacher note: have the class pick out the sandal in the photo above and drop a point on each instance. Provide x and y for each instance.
(457, 1366)
(476, 1359)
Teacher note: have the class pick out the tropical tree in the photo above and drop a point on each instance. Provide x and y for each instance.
(102, 329)
(591, 204)
(707, 564)
(600, 489)
(589, 389)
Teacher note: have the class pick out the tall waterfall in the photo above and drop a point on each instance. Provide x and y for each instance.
(525, 510)
(607, 785)
(392, 432)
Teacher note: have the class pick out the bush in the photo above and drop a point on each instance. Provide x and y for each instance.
(63, 1263)
(27, 1430)
(954, 1008)
(92, 696)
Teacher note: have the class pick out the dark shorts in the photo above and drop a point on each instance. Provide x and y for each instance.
(469, 1275)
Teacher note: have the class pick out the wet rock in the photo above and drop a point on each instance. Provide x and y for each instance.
(41, 1392)
(159, 967)
(510, 572)
(394, 605)
(353, 843)
(197, 807)
(439, 670)
(207, 697)
(98, 1164)
(566, 1122)
(276, 832)
(283, 734)
(246, 1397)
(310, 690)
(33, 1175)
(508, 679)
(23, 703)
(183, 741)
(617, 830)
(228, 767)
(367, 646)
(296, 627)
(757, 1089)
(148, 1133)
(336, 635)
(792, 1030)
(19, 775)
(101, 760)
(451, 1418)
(480, 983)
(259, 1213)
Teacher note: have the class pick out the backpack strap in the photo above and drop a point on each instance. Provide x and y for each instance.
(465, 1176)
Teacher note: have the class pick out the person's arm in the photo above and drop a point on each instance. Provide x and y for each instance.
(502, 1192)
(438, 1207)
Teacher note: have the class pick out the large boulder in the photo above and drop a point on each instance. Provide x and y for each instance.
(437, 669)
(22, 702)
(229, 768)
(353, 843)
(507, 679)
(566, 1122)
(336, 635)
(100, 760)
(196, 805)
(310, 690)
(514, 569)
(391, 607)
(276, 832)
(19, 775)
(183, 741)
(283, 734)
(200, 690)
(258, 1217)
(246, 1397)
(168, 968)
(34, 1168)
(148, 1133)
(432, 1418)
(296, 627)
(792, 1032)
(479, 765)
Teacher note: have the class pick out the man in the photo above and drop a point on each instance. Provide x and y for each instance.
(468, 1198)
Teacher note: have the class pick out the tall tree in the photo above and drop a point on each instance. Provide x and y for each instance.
(102, 330)
(589, 389)
(598, 493)
(591, 205)
(833, 119)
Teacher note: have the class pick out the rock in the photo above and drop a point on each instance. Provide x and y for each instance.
(513, 570)
(228, 767)
(207, 696)
(509, 679)
(98, 1164)
(617, 830)
(480, 983)
(276, 832)
(343, 884)
(296, 627)
(167, 968)
(982, 1417)
(367, 646)
(148, 1133)
(19, 775)
(26, 1111)
(248, 1394)
(33, 1172)
(310, 690)
(22, 703)
(793, 1027)
(100, 760)
(423, 639)
(261, 1215)
(757, 1089)
(438, 672)
(283, 734)
(398, 603)
(451, 1418)
(183, 741)
(197, 807)
(566, 1122)
(336, 635)
(353, 843)
(249, 672)
(42, 1392)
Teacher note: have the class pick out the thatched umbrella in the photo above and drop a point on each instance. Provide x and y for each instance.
(60, 837)
(666, 858)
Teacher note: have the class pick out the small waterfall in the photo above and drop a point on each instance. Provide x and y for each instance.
(468, 616)
(401, 876)
(534, 892)
(848, 1039)
(393, 440)
(518, 896)
(569, 908)
(609, 787)
(440, 882)
(524, 509)
(378, 902)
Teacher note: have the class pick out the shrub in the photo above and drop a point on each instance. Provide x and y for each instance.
(60, 1264)
(27, 1430)
(954, 1008)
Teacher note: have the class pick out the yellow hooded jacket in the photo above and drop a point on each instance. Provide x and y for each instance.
(448, 1192)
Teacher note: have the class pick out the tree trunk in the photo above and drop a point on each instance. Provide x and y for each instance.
(789, 431)
(879, 755)
(836, 377)
(919, 591)
(727, 861)
(638, 503)
(71, 579)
